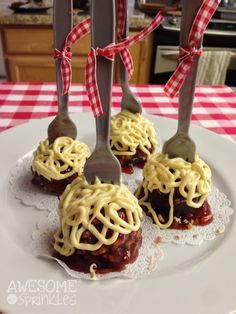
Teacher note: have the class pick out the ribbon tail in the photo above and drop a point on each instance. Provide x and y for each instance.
(177, 79)
(121, 13)
(66, 75)
(127, 61)
(201, 20)
(91, 84)
(158, 19)
(79, 31)
(116, 48)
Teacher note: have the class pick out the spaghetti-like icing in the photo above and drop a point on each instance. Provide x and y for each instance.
(61, 159)
(92, 271)
(165, 174)
(82, 203)
(130, 131)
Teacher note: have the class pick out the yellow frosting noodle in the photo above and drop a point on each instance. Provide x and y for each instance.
(81, 203)
(92, 271)
(165, 174)
(130, 130)
(61, 159)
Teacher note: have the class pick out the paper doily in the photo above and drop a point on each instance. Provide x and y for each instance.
(150, 253)
(24, 190)
(29, 194)
(221, 210)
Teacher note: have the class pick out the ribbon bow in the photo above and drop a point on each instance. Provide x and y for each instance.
(79, 31)
(65, 55)
(109, 52)
(188, 54)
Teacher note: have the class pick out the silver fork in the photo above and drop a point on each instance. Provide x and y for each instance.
(129, 101)
(61, 125)
(181, 145)
(102, 163)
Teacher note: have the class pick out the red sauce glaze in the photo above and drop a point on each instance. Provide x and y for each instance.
(108, 258)
(56, 187)
(199, 217)
(127, 162)
(129, 169)
(185, 214)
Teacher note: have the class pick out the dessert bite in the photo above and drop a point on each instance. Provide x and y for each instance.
(56, 165)
(99, 227)
(174, 192)
(132, 139)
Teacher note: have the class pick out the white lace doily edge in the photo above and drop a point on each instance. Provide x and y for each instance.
(219, 203)
(119, 275)
(27, 193)
(222, 213)
(150, 252)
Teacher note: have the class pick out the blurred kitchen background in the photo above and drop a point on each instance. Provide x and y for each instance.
(26, 44)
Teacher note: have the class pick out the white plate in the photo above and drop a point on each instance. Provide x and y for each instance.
(190, 279)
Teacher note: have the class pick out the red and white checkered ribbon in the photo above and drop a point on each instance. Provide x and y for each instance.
(121, 17)
(121, 21)
(109, 52)
(65, 55)
(188, 54)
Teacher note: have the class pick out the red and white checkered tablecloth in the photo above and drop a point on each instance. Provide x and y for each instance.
(214, 106)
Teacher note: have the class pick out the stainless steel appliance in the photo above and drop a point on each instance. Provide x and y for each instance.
(220, 34)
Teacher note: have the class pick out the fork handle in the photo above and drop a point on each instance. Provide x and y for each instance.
(186, 94)
(129, 100)
(123, 73)
(103, 33)
(62, 25)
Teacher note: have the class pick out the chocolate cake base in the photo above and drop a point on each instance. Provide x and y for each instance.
(184, 216)
(55, 187)
(108, 258)
(128, 162)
